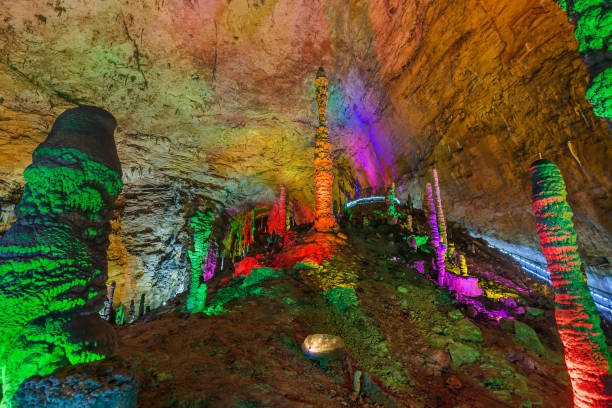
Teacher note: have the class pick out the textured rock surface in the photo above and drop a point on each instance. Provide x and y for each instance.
(215, 106)
(53, 261)
(81, 386)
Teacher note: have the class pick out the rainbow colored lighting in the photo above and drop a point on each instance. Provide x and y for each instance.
(586, 354)
(324, 178)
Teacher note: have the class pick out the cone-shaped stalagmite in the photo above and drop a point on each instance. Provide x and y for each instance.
(586, 355)
(53, 265)
(324, 216)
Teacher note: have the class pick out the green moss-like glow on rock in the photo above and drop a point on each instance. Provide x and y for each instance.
(240, 288)
(600, 93)
(46, 265)
(593, 20)
(202, 227)
(120, 318)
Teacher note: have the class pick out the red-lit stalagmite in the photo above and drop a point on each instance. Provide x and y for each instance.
(324, 216)
(586, 355)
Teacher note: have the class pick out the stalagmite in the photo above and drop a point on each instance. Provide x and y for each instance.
(324, 216)
(201, 224)
(435, 236)
(53, 265)
(586, 355)
(441, 220)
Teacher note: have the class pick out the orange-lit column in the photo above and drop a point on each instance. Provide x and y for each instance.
(586, 355)
(324, 178)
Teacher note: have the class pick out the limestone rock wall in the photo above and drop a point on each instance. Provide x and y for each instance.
(215, 105)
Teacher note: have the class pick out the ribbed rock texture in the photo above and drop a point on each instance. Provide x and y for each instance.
(586, 354)
(216, 108)
(53, 261)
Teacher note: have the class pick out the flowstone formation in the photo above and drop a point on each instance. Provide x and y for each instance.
(324, 177)
(53, 266)
(586, 353)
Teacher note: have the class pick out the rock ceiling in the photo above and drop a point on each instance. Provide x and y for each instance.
(215, 105)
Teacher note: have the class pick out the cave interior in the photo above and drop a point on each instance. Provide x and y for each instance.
(305, 203)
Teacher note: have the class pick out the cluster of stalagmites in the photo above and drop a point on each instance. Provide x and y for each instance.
(53, 265)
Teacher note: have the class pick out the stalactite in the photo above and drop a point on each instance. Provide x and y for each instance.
(242, 231)
(586, 355)
(435, 236)
(53, 265)
(441, 220)
(324, 178)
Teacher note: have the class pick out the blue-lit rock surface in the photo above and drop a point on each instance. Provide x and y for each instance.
(108, 385)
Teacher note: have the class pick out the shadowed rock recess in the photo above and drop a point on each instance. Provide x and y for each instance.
(216, 110)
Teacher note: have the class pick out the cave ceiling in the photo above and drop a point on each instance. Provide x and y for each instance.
(215, 103)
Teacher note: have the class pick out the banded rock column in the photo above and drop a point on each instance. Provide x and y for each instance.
(324, 177)
(586, 354)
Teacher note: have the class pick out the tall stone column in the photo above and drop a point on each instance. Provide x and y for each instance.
(586, 354)
(53, 264)
(324, 178)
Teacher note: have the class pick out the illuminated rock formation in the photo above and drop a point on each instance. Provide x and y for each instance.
(277, 219)
(586, 355)
(593, 21)
(108, 303)
(211, 261)
(435, 236)
(241, 233)
(441, 221)
(391, 204)
(201, 224)
(324, 178)
(53, 266)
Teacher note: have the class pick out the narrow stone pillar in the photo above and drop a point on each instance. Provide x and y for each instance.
(324, 177)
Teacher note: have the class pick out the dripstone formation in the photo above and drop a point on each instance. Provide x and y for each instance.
(586, 354)
(53, 265)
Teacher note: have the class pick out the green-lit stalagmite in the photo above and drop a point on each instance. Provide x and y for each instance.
(586, 354)
(201, 224)
(53, 265)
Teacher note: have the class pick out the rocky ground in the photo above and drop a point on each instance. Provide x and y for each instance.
(409, 343)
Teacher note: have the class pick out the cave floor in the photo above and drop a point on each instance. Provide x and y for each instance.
(409, 343)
